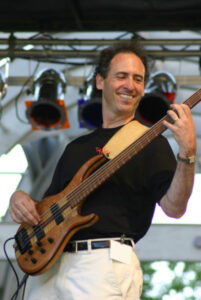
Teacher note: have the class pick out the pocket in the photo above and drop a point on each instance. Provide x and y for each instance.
(129, 277)
(137, 274)
(113, 278)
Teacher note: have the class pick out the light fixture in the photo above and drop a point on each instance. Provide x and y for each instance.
(90, 106)
(48, 110)
(159, 94)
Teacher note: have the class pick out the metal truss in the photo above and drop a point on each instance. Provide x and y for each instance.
(54, 48)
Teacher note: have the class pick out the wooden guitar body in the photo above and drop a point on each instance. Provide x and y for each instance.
(38, 247)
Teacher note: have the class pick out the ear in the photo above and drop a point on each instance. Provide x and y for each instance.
(99, 82)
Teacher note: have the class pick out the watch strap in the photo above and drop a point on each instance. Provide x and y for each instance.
(187, 160)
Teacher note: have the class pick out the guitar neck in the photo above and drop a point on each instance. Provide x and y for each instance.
(112, 166)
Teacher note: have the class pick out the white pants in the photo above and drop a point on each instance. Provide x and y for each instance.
(87, 275)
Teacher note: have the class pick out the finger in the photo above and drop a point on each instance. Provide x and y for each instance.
(30, 214)
(31, 208)
(169, 125)
(173, 115)
(181, 110)
(14, 217)
(186, 109)
(23, 215)
(18, 218)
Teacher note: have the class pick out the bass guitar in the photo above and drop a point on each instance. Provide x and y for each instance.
(38, 247)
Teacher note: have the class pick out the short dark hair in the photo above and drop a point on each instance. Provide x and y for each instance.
(107, 54)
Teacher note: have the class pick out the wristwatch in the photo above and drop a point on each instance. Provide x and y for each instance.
(187, 160)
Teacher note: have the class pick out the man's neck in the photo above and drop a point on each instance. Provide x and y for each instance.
(116, 121)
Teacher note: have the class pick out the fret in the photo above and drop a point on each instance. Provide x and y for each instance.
(148, 138)
(93, 186)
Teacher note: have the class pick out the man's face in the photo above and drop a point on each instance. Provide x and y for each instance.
(123, 87)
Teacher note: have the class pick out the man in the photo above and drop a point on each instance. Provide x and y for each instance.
(125, 203)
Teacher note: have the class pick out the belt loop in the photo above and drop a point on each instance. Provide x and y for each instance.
(122, 239)
(76, 246)
(133, 244)
(89, 242)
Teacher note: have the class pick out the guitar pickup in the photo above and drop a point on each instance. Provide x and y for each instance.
(39, 232)
(56, 213)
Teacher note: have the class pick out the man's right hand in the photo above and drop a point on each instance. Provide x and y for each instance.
(23, 209)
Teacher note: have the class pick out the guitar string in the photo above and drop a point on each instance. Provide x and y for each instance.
(156, 129)
(74, 190)
(71, 195)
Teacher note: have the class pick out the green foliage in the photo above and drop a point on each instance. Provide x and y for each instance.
(171, 280)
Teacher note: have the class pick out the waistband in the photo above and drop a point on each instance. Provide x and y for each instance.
(94, 244)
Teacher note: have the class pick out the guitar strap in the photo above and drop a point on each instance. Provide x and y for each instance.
(125, 136)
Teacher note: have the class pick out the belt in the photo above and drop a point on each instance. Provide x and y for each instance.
(75, 246)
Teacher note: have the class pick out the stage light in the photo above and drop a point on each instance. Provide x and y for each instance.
(48, 110)
(159, 94)
(90, 106)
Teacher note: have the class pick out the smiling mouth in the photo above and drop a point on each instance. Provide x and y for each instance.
(126, 97)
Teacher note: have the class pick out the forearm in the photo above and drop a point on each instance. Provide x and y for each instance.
(174, 202)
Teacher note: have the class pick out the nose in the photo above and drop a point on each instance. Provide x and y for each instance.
(130, 83)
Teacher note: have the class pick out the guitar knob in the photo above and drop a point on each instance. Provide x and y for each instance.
(50, 240)
(34, 260)
(39, 243)
(30, 252)
(42, 250)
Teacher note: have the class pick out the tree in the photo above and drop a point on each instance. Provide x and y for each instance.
(171, 281)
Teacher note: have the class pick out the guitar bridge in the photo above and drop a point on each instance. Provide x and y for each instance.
(23, 241)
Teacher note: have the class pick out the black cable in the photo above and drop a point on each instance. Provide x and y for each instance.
(24, 288)
(9, 261)
(23, 282)
(24, 279)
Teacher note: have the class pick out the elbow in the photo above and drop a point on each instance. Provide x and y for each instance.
(172, 210)
(176, 213)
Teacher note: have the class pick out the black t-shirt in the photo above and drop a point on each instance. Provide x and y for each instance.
(125, 203)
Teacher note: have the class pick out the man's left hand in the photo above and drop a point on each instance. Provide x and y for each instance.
(183, 129)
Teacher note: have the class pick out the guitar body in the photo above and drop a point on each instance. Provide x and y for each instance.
(38, 247)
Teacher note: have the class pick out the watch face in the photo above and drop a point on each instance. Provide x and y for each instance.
(188, 160)
(191, 159)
